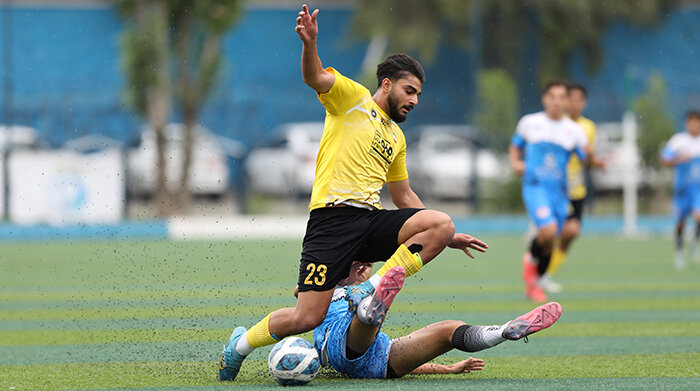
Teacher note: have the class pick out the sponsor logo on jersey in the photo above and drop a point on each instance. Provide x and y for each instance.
(382, 148)
(543, 212)
(550, 161)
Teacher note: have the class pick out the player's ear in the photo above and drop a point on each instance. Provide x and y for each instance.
(386, 85)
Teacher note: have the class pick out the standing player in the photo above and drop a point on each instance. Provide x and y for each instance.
(362, 149)
(577, 186)
(539, 152)
(354, 345)
(683, 152)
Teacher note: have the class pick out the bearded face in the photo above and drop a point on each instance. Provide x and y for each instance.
(402, 97)
(395, 108)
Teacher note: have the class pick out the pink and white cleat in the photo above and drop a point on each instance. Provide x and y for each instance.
(373, 314)
(538, 319)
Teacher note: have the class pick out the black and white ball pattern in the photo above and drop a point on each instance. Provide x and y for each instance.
(293, 362)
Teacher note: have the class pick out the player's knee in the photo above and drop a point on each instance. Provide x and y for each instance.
(574, 230)
(448, 327)
(443, 227)
(547, 235)
(307, 321)
(311, 323)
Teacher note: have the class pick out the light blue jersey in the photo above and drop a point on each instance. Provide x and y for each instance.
(330, 339)
(686, 186)
(547, 145)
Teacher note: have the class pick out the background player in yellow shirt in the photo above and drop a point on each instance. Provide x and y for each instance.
(362, 148)
(576, 183)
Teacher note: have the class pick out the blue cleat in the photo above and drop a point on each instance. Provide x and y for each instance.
(231, 360)
(355, 293)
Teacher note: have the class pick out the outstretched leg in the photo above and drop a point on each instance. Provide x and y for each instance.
(310, 310)
(410, 352)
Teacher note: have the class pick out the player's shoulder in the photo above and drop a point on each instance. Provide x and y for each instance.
(341, 80)
(573, 126)
(532, 120)
(533, 117)
(566, 120)
(680, 138)
(585, 122)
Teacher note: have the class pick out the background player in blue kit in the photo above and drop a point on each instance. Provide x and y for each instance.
(683, 152)
(353, 344)
(539, 152)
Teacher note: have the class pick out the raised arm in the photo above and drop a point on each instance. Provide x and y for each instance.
(311, 68)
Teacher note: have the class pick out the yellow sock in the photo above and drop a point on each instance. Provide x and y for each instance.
(558, 258)
(404, 258)
(259, 335)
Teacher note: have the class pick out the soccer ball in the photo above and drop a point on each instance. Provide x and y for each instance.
(293, 361)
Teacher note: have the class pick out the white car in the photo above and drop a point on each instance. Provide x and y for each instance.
(443, 158)
(18, 136)
(286, 165)
(209, 170)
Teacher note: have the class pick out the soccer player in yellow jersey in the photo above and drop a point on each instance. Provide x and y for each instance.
(361, 150)
(577, 103)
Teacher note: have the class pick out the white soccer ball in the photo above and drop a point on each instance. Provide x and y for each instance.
(293, 361)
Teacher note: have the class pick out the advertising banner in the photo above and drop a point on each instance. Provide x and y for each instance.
(65, 187)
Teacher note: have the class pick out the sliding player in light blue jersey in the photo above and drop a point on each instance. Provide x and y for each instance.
(539, 152)
(350, 339)
(683, 152)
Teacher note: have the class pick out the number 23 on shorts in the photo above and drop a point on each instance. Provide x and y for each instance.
(320, 274)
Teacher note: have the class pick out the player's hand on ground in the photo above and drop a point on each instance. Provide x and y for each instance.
(465, 242)
(466, 366)
(307, 27)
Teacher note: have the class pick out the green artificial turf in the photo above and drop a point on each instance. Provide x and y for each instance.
(154, 315)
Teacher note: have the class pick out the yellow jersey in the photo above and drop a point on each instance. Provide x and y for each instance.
(361, 148)
(575, 173)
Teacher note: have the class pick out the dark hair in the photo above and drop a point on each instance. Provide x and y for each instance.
(555, 83)
(578, 86)
(692, 114)
(396, 66)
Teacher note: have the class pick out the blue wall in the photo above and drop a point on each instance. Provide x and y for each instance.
(632, 54)
(67, 80)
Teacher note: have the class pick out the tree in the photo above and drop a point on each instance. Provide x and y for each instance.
(655, 124)
(145, 60)
(171, 56)
(497, 110)
(504, 27)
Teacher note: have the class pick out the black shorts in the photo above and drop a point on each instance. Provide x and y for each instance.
(575, 209)
(335, 237)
